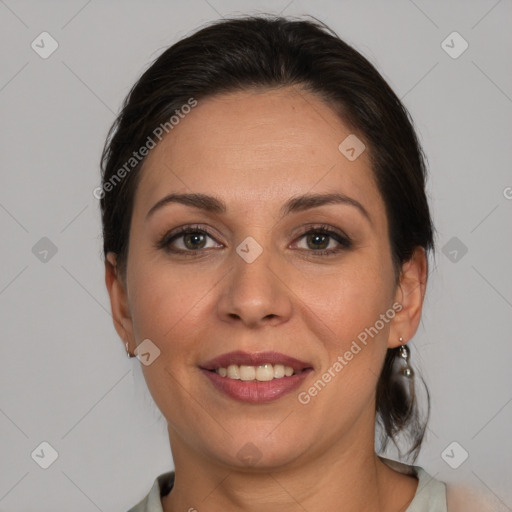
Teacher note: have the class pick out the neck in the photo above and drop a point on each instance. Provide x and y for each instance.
(348, 473)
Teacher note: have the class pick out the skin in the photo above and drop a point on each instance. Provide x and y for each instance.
(255, 150)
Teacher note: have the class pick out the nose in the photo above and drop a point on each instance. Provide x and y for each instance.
(254, 293)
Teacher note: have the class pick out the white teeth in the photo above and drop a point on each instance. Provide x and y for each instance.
(263, 372)
(247, 372)
(278, 371)
(233, 371)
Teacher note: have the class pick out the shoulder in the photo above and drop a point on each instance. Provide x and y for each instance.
(152, 502)
(465, 498)
(431, 494)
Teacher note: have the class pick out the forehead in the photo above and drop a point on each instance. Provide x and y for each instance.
(258, 145)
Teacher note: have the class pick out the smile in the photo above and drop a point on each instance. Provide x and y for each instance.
(262, 372)
(255, 378)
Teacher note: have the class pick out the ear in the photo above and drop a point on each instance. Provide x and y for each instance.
(409, 294)
(118, 300)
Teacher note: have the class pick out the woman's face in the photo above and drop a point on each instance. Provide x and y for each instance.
(249, 278)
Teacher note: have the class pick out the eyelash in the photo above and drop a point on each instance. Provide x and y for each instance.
(343, 240)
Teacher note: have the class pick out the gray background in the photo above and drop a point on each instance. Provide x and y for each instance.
(65, 378)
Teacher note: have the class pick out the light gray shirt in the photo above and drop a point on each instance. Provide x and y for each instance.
(430, 494)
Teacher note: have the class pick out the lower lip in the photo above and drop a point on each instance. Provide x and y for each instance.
(255, 391)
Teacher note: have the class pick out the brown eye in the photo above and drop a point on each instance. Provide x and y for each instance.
(317, 241)
(188, 240)
(193, 241)
(323, 241)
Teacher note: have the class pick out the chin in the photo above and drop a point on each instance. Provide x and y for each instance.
(261, 452)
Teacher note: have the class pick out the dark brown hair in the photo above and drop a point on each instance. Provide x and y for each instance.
(270, 52)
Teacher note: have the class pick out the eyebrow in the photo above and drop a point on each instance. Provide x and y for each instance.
(295, 204)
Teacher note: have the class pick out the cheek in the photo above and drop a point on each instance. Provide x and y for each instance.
(168, 306)
(347, 307)
(167, 302)
(350, 298)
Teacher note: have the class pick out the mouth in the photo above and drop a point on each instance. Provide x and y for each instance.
(264, 366)
(256, 377)
(262, 373)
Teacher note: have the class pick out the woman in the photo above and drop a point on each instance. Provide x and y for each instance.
(266, 238)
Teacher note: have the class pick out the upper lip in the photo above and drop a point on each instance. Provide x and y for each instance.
(254, 359)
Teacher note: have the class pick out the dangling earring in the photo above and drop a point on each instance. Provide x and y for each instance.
(406, 371)
(128, 350)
